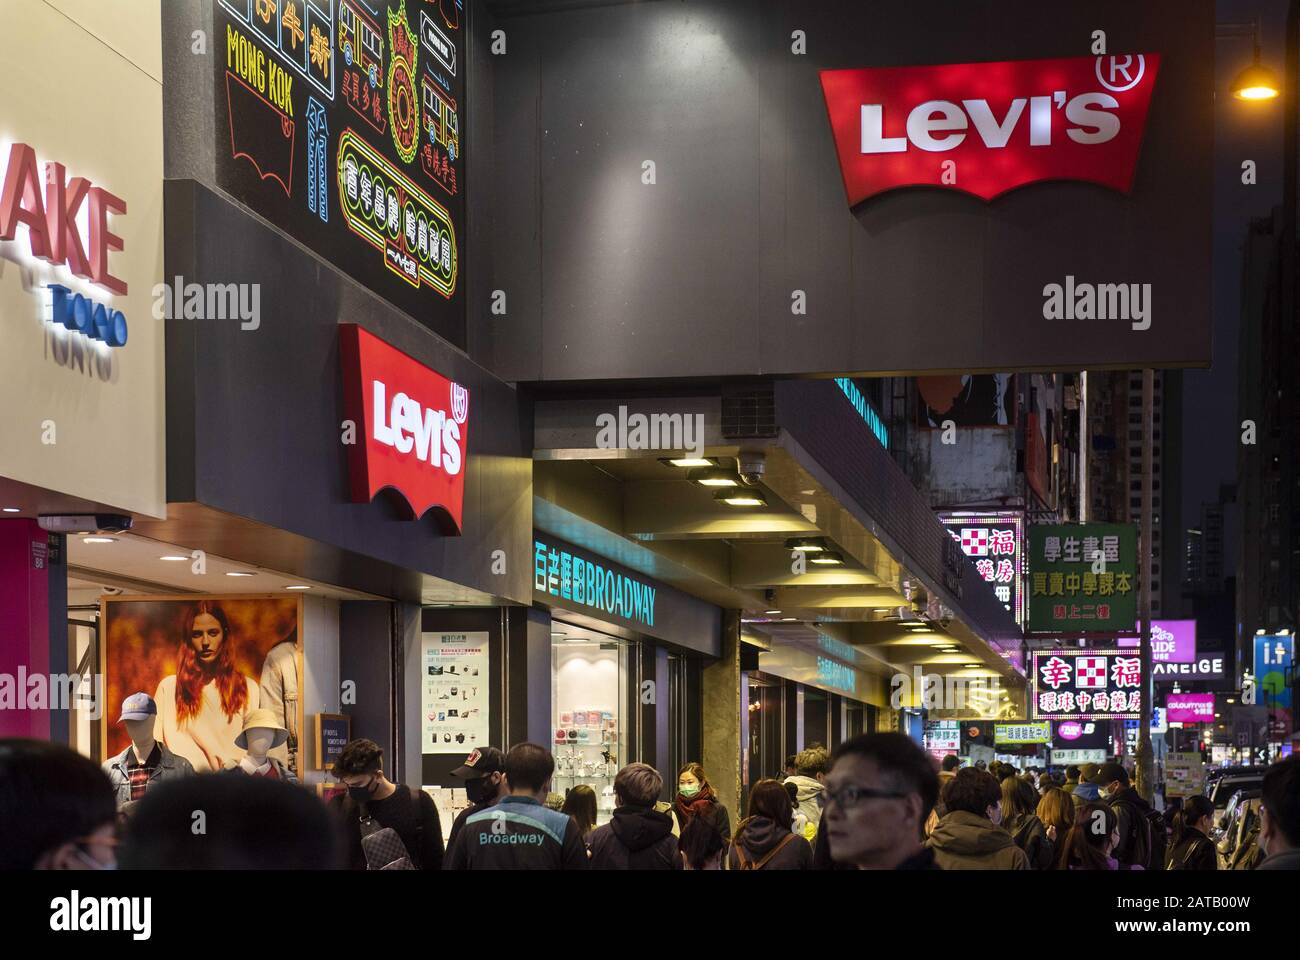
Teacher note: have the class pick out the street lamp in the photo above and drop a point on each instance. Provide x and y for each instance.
(1256, 82)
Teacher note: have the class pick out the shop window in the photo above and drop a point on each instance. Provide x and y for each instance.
(589, 683)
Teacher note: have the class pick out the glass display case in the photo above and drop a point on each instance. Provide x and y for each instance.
(588, 685)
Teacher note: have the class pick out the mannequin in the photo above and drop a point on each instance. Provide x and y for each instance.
(262, 733)
(131, 771)
(260, 740)
(142, 739)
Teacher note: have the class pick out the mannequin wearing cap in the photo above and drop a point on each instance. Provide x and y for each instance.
(262, 733)
(146, 761)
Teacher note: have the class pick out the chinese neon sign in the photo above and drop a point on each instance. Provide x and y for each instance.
(564, 575)
(864, 409)
(1087, 685)
(995, 543)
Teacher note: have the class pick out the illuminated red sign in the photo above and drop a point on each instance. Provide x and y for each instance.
(51, 216)
(987, 128)
(412, 428)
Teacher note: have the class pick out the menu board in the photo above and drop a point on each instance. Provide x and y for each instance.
(453, 692)
(340, 121)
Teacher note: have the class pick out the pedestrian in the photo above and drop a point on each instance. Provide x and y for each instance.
(809, 782)
(1141, 842)
(968, 837)
(764, 840)
(519, 832)
(790, 768)
(485, 783)
(1092, 840)
(1056, 810)
(701, 847)
(374, 804)
(57, 809)
(1019, 805)
(637, 837)
(580, 803)
(1071, 778)
(249, 823)
(947, 770)
(695, 797)
(1279, 827)
(1086, 791)
(880, 789)
(1190, 847)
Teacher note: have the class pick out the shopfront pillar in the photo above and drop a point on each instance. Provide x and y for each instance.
(725, 700)
(24, 625)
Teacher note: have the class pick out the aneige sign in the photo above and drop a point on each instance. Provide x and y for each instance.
(987, 128)
(412, 426)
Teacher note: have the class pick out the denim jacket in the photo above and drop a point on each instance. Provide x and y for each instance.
(170, 767)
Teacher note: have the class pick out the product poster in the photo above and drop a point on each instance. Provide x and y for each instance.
(207, 662)
(454, 693)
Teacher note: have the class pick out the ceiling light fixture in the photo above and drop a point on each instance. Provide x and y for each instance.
(806, 544)
(741, 498)
(688, 462)
(771, 613)
(13, 510)
(713, 477)
(99, 540)
(828, 558)
(240, 573)
(173, 559)
(298, 586)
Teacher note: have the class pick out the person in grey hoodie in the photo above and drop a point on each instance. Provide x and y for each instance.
(809, 784)
(763, 839)
(968, 836)
(1086, 791)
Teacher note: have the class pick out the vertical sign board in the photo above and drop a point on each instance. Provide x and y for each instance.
(340, 122)
(453, 692)
(1087, 685)
(1273, 657)
(1082, 577)
(995, 543)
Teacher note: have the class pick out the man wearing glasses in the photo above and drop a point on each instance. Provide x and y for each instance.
(880, 789)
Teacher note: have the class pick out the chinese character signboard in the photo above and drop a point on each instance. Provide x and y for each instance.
(942, 736)
(1038, 732)
(995, 544)
(1273, 655)
(1082, 577)
(1087, 685)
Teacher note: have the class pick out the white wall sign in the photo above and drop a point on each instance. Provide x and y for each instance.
(453, 692)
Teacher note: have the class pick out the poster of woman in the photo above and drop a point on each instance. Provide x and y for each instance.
(207, 662)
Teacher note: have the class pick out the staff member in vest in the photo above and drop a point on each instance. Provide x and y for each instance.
(519, 833)
(145, 762)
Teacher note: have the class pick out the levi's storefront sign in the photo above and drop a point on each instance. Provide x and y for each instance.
(412, 428)
(986, 128)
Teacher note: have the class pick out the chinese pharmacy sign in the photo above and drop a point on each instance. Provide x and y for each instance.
(1082, 577)
(1087, 685)
(995, 544)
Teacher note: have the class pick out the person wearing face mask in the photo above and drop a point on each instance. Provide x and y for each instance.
(1279, 816)
(484, 774)
(371, 796)
(1192, 848)
(1141, 830)
(57, 809)
(695, 797)
(968, 836)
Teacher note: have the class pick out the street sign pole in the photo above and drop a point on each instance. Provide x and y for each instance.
(1145, 767)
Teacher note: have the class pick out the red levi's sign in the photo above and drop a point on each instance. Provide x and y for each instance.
(413, 426)
(987, 128)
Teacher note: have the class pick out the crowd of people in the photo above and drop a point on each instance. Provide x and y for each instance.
(876, 802)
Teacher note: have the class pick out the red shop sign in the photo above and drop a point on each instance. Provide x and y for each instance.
(986, 128)
(412, 428)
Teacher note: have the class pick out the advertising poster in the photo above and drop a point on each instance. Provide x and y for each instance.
(1184, 775)
(995, 543)
(1172, 641)
(1087, 685)
(970, 400)
(1082, 577)
(207, 662)
(454, 692)
(1273, 656)
(1190, 707)
(942, 737)
(340, 122)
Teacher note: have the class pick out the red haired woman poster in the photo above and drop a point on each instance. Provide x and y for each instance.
(201, 659)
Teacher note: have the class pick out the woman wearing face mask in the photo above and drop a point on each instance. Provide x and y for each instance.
(1192, 848)
(695, 798)
(1091, 840)
(408, 812)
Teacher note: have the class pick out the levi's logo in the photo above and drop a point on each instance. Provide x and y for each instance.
(413, 424)
(987, 128)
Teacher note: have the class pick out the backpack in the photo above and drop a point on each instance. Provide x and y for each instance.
(1149, 846)
(746, 864)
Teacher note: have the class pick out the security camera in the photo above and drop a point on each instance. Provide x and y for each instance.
(84, 522)
(751, 466)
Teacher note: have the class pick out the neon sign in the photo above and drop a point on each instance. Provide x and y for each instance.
(864, 409)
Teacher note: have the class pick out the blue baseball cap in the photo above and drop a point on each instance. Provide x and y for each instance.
(138, 706)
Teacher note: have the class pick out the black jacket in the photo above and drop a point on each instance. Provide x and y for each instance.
(1134, 832)
(637, 838)
(1031, 836)
(410, 812)
(1194, 852)
(760, 836)
(518, 833)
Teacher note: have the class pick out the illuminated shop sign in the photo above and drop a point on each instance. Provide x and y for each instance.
(834, 674)
(995, 543)
(412, 425)
(1082, 577)
(1190, 707)
(1086, 685)
(943, 736)
(588, 583)
(865, 410)
(1172, 641)
(53, 217)
(1039, 732)
(986, 128)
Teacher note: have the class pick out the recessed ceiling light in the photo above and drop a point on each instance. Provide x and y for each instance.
(575, 639)
(688, 462)
(240, 573)
(828, 558)
(173, 558)
(972, 666)
(787, 619)
(13, 509)
(771, 613)
(298, 586)
(99, 540)
(714, 477)
(806, 544)
(741, 498)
